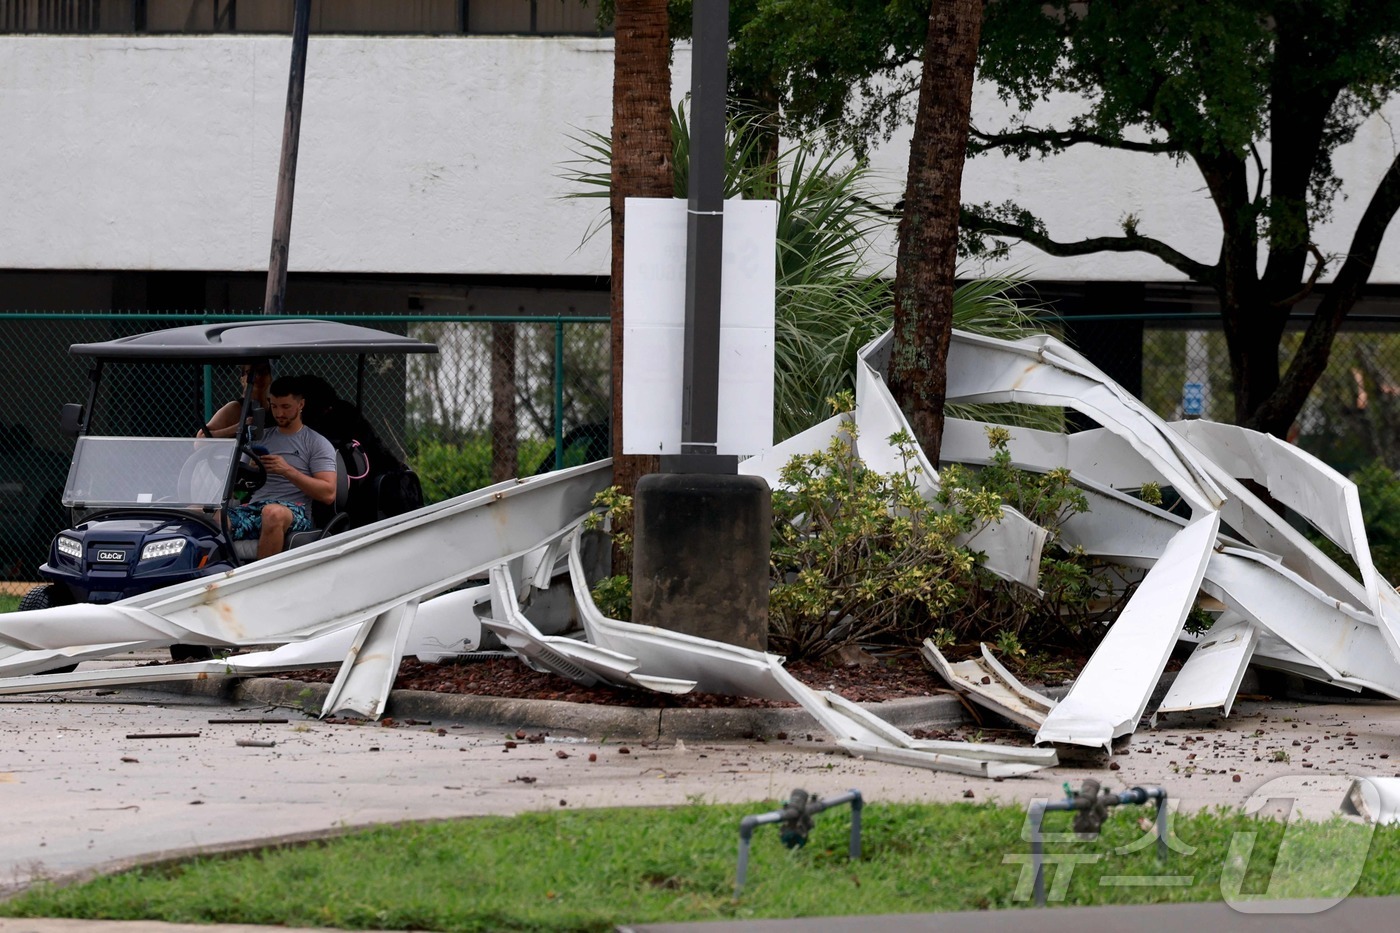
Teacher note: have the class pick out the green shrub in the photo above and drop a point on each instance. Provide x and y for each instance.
(448, 470)
(860, 557)
(1379, 488)
(613, 595)
(1076, 592)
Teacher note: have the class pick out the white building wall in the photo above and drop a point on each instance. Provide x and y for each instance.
(417, 155)
(1087, 192)
(441, 156)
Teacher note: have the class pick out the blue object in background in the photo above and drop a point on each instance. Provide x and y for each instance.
(1193, 400)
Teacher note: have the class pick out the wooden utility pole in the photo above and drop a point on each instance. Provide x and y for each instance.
(276, 295)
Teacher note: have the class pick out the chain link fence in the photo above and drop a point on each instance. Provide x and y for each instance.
(1351, 418)
(503, 397)
(511, 396)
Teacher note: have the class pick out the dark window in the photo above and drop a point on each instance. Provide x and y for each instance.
(344, 17)
(66, 16)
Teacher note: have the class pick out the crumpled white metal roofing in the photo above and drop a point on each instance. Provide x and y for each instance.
(1286, 604)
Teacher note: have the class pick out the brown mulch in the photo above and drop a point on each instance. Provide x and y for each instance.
(892, 677)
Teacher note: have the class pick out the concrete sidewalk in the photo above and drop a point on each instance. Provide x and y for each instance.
(93, 783)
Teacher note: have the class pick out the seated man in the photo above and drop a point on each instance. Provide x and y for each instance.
(300, 469)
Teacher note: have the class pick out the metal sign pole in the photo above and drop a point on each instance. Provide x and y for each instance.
(701, 532)
(705, 233)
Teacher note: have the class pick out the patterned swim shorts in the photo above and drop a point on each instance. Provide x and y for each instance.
(245, 521)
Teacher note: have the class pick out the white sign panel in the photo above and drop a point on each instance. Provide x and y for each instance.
(653, 361)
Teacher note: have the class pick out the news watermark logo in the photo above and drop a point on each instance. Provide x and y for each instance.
(1310, 871)
(1060, 859)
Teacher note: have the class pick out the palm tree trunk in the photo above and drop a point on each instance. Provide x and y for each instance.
(641, 167)
(928, 233)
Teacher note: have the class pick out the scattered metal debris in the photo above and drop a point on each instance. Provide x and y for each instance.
(162, 735)
(253, 721)
(986, 682)
(1374, 799)
(1280, 601)
(1210, 678)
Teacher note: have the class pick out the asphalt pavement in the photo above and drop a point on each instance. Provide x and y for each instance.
(97, 781)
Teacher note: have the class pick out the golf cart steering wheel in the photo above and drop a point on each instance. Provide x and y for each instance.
(250, 476)
(198, 472)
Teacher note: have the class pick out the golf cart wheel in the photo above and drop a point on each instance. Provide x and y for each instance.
(44, 596)
(191, 653)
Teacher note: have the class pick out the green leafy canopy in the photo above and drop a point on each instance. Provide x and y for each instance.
(1256, 95)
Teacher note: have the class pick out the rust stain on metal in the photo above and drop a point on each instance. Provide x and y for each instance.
(1024, 373)
(229, 619)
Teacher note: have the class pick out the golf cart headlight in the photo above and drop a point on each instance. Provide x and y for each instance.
(69, 548)
(162, 548)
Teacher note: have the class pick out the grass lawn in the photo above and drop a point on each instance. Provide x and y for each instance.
(8, 603)
(590, 870)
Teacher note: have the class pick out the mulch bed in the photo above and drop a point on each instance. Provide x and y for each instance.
(888, 678)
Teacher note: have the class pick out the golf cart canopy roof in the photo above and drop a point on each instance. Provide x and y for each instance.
(243, 340)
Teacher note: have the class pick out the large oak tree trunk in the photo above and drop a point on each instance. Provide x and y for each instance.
(928, 232)
(641, 167)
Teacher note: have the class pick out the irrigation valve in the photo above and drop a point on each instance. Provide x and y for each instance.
(794, 822)
(1091, 808)
(797, 818)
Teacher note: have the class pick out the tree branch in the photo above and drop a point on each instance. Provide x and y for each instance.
(1259, 166)
(1131, 242)
(1319, 264)
(1366, 241)
(1047, 139)
(1316, 347)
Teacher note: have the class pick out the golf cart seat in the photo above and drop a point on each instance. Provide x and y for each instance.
(325, 519)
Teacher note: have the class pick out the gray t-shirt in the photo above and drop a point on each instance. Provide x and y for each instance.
(306, 451)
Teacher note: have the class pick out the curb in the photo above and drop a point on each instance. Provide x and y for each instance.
(585, 720)
(597, 721)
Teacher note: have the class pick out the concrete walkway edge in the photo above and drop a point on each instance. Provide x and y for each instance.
(591, 720)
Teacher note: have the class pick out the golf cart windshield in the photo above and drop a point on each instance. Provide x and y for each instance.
(141, 471)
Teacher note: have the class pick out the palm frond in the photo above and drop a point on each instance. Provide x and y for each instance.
(831, 297)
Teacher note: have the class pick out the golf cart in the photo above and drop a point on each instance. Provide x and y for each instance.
(149, 511)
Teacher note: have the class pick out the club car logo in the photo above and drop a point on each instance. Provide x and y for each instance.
(110, 556)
